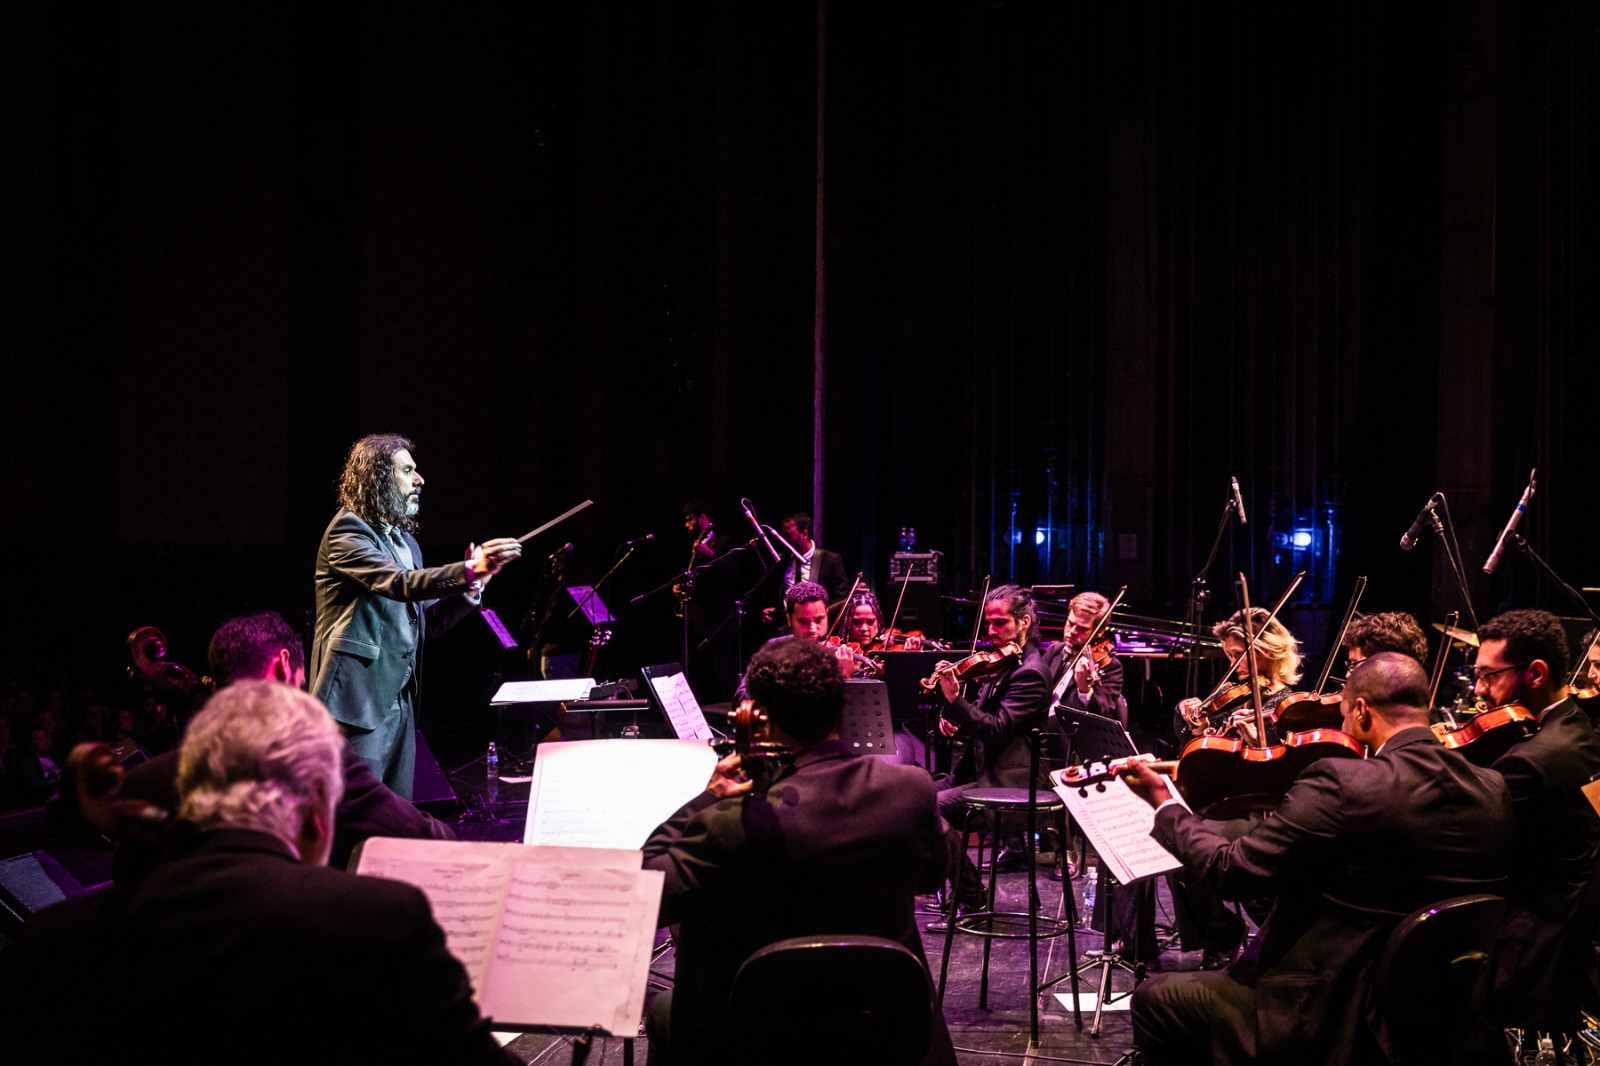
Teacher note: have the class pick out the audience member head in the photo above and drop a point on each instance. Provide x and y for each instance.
(257, 647)
(801, 687)
(1388, 631)
(1277, 653)
(370, 486)
(261, 755)
(1522, 658)
(806, 605)
(1383, 695)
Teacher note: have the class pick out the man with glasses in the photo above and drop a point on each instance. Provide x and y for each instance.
(1544, 957)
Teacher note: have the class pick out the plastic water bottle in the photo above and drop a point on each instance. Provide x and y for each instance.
(491, 774)
(1091, 881)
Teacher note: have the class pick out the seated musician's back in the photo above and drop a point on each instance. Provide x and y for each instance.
(1354, 846)
(246, 947)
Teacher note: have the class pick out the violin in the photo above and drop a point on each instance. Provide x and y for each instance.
(1224, 778)
(1488, 735)
(892, 639)
(871, 666)
(1308, 710)
(978, 666)
(1220, 705)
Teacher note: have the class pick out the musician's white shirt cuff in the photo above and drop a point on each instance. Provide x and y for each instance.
(1169, 801)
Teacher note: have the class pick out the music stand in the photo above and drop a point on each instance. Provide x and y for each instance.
(1105, 738)
(868, 722)
(669, 691)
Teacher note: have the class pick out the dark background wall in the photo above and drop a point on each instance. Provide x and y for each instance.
(1084, 262)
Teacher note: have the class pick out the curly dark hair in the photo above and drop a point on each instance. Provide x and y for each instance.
(367, 485)
(241, 648)
(800, 685)
(803, 592)
(1018, 603)
(1389, 631)
(1531, 635)
(863, 596)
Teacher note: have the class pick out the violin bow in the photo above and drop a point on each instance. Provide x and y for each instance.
(1099, 628)
(1451, 620)
(1583, 660)
(855, 586)
(904, 584)
(983, 598)
(1338, 640)
(1227, 678)
(1250, 653)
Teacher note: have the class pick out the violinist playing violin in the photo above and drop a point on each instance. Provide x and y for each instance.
(1543, 957)
(998, 718)
(1355, 845)
(1095, 687)
(1277, 656)
(864, 622)
(806, 611)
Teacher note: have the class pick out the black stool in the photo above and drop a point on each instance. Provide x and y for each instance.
(1012, 801)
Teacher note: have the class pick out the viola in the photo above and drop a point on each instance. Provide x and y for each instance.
(1221, 777)
(977, 666)
(1485, 737)
(897, 640)
(1218, 707)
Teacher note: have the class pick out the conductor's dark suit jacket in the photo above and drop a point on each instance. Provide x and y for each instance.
(1355, 845)
(1000, 716)
(838, 844)
(237, 952)
(1544, 961)
(372, 617)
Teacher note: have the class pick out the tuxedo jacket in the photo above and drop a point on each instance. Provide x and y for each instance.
(1105, 699)
(1543, 961)
(1355, 845)
(999, 717)
(237, 951)
(838, 844)
(373, 614)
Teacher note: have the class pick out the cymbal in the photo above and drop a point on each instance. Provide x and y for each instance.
(1460, 636)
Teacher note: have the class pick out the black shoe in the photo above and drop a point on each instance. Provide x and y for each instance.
(1009, 859)
(1217, 960)
(962, 910)
(1056, 872)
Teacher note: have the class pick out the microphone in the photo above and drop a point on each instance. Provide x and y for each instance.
(761, 532)
(564, 548)
(1516, 516)
(790, 548)
(1408, 539)
(1238, 502)
(648, 538)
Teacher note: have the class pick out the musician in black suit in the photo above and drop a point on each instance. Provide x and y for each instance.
(1096, 689)
(998, 720)
(246, 947)
(824, 567)
(837, 843)
(376, 603)
(1544, 963)
(264, 647)
(1355, 845)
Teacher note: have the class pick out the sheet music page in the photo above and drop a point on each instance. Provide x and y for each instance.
(612, 793)
(568, 946)
(557, 691)
(463, 883)
(1118, 824)
(683, 710)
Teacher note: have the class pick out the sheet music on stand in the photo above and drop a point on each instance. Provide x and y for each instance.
(670, 687)
(548, 936)
(612, 793)
(560, 690)
(1118, 824)
(592, 606)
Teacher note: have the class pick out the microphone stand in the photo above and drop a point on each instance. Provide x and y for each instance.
(1198, 595)
(1452, 553)
(1555, 578)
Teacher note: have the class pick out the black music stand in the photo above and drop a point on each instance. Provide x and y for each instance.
(1095, 737)
(868, 723)
(914, 709)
